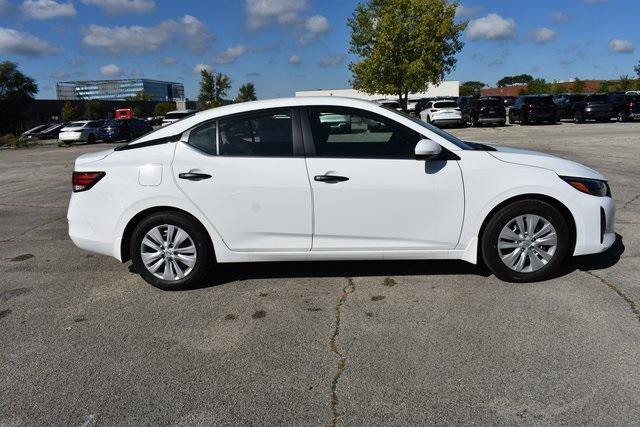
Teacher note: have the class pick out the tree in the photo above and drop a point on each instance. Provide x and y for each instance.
(69, 112)
(604, 87)
(471, 88)
(93, 110)
(162, 108)
(637, 69)
(140, 96)
(536, 86)
(578, 86)
(521, 79)
(625, 83)
(403, 45)
(16, 92)
(213, 89)
(247, 92)
(557, 88)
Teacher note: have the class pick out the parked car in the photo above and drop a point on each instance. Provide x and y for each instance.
(533, 109)
(154, 120)
(84, 130)
(582, 107)
(388, 103)
(268, 181)
(53, 131)
(484, 111)
(34, 131)
(626, 106)
(123, 130)
(174, 116)
(508, 101)
(419, 106)
(440, 113)
(412, 103)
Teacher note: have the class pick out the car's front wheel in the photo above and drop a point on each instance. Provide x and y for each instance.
(525, 241)
(171, 251)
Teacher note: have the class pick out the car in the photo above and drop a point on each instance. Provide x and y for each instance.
(123, 130)
(412, 104)
(485, 110)
(83, 130)
(507, 101)
(52, 132)
(269, 181)
(389, 103)
(533, 109)
(626, 105)
(174, 116)
(442, 113)
(34, 131)
(154, 120)
(582, 107)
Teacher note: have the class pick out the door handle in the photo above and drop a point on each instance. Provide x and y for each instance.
(331, 179)
(194, 176)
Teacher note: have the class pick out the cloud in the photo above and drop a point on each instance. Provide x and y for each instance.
(466, 12)
(558, 17)
(169, 60)
(544, 35)
(294, 60)
(59, 74)
(199, 67)
(332, 60)
(111, 70)
(262, 13)
(187, 30)
(136, 73)
(19, 43)
(116, 7)
(231, 54)
(314, 27)
(77, 62)
(621, 46)
(491, 27)
(6, 7)
(47, 9)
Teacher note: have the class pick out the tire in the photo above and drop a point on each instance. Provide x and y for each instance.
(531, 270)
(501, 124)
(174, 258)
(91, 139)
(621, 117)
(474, 122)
(524, 119)
(578, 117)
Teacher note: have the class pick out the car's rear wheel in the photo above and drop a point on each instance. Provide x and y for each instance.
(525, 241)
(171, 251)
(578, 117)
(91, 139)
(621, 117)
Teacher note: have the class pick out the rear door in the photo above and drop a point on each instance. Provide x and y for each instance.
(247, 175)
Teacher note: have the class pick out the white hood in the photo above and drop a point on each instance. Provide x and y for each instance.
(546, 161)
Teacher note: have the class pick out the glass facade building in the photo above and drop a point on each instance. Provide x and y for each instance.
(119, 90)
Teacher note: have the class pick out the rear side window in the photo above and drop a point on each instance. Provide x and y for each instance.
(204, 138)
(264, 134)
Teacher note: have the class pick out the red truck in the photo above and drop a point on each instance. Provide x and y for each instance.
(124, 113)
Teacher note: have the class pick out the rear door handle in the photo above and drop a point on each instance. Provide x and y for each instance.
(331, 179)
(194, 176)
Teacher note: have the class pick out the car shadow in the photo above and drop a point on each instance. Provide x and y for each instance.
(600, 261)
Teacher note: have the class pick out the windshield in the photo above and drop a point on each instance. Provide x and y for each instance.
(598, 98)
(77, 124)
(446, 104)
(490, 103)
(116, 122)
(452, 139)
(540, 100)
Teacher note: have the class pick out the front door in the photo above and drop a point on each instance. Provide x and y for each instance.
(247, 178)
(369, 193)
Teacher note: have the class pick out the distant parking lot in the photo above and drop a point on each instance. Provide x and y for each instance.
(85, 341)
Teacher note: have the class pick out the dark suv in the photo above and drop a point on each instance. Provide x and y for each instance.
(580, 107)
(626, 106)
(483, 111)
(533, 109)
(123, 130)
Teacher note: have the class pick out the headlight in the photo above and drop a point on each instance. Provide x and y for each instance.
(595, 187)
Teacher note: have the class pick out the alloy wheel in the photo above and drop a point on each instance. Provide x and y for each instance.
(527, 243)
(168, 252)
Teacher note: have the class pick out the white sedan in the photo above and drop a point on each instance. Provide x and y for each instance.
(440, 113)
(272, 181)
(85, 130)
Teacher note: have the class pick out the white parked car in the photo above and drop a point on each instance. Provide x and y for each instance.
(85, 130)
(444, 112)
(174, 116)
(272, 181)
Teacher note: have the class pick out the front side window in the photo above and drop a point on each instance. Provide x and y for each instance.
(345, 132)
(262, 134)
(204, 138)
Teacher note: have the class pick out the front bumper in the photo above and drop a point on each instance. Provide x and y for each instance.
(598, 233)
(71, 136)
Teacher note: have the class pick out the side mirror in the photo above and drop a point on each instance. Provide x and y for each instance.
(427, 149)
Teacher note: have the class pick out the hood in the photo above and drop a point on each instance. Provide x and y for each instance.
(545, 161)
(92, 157)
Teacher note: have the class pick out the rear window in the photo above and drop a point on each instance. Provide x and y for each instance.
(540, 101)
(490, 103)
(445, 104)
(633, 98)
(77, 124)
(597, 98)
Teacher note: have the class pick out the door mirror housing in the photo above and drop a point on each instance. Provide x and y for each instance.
(427, 149)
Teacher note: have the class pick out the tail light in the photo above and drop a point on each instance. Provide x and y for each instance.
(82, 181)
(630, 104)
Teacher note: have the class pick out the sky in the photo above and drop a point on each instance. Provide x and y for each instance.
(287, 45)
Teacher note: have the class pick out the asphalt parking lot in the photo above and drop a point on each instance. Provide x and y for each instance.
(83, 341)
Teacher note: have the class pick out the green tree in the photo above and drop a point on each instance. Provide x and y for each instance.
(637, 70)
(162, 108)
(69, 112)
(557, 88)
(604, 87)
(16, 92)
(521, 79)
(403, 45)
(471, 88)
(213, 89)
(140, 96)
(93, 110)
(247, 92)
(578, 86)
(625, 83)
(536, 86)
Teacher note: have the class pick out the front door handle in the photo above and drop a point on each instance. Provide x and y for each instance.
(331, 179)
(194, 176)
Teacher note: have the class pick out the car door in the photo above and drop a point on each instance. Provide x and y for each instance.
(247, 174)
(370, 193)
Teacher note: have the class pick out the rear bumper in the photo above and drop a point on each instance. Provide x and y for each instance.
(82, 233)
(598, 114)
(68, 136)
(492, 119)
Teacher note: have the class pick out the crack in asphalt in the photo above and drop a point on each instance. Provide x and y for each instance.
(629, 301)
(630, 201)
(333, 344)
